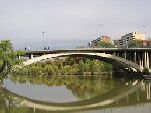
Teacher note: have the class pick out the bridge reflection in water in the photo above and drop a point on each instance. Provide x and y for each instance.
(133, 93)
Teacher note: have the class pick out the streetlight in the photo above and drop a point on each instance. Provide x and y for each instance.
(44, 36)
(100, 29)
(48, 38)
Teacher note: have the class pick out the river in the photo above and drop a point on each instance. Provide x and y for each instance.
(33, 94)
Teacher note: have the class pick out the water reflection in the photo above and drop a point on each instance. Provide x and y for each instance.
(110, 96)
(80, 88)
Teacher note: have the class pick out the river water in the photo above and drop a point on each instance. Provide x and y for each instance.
(36, 94)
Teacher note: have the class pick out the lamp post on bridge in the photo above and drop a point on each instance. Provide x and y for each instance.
(47, 39)
(44, 38)
(100, 29)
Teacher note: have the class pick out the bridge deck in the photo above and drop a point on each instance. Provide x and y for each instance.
(110, 50)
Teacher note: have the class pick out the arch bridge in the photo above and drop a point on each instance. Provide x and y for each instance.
(127, 60)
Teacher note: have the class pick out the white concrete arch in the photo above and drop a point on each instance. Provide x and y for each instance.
(135, 67)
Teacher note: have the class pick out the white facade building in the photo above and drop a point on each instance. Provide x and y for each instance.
(123, 42)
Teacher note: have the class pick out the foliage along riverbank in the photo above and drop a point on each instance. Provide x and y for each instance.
(68, 66)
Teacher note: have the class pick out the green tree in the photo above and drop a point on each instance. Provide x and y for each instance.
(149, 43)
(102, 44)
(135, 44)
(8, 57)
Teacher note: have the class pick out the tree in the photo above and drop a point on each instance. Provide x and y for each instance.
(102, 44)
(135, 44)
(149, 43)
(8, 57)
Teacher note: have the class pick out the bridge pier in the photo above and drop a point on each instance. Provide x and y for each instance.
(140, 60)
(149, 53)
(19, 57)
(146, 60)
(135, 57)
(130, 56)
(125, 55)
(114, 53)
(118, 54)
(31, 56)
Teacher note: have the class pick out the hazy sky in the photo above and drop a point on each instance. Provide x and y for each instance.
(70, 22)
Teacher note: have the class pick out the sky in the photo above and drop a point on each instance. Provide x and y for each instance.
(70, 23)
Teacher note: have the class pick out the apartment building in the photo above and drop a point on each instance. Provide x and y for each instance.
(123, 42)
(105, 39)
